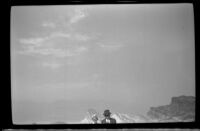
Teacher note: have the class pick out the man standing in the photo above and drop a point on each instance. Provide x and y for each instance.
(108, 119)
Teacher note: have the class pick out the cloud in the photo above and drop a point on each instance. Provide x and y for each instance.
(57, 44)
(33, 41)
(81, 37)
(54, 58)
(52, 65)
(70, 36)
(52, 51)
(58, 35)
(61, 43)
(69, 85)
(55, 52)
(49, 25)
(77, 15)
(43, 39)
(110, 46)
(81, 49)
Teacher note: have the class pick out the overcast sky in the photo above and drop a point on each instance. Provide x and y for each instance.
(122, 57)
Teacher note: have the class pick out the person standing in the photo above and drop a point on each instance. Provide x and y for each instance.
(95, 119)
(108, 119)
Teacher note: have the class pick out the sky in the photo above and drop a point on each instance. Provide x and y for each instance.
(126, 58)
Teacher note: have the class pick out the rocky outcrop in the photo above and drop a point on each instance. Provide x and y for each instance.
(181, 108)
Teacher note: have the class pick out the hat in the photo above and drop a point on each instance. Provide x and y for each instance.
(107, 113)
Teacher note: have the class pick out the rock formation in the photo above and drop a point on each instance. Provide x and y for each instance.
(181, 108)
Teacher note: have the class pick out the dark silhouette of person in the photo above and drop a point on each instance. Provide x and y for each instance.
(108, 119)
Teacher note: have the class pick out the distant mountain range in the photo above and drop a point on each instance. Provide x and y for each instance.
(181, 109)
